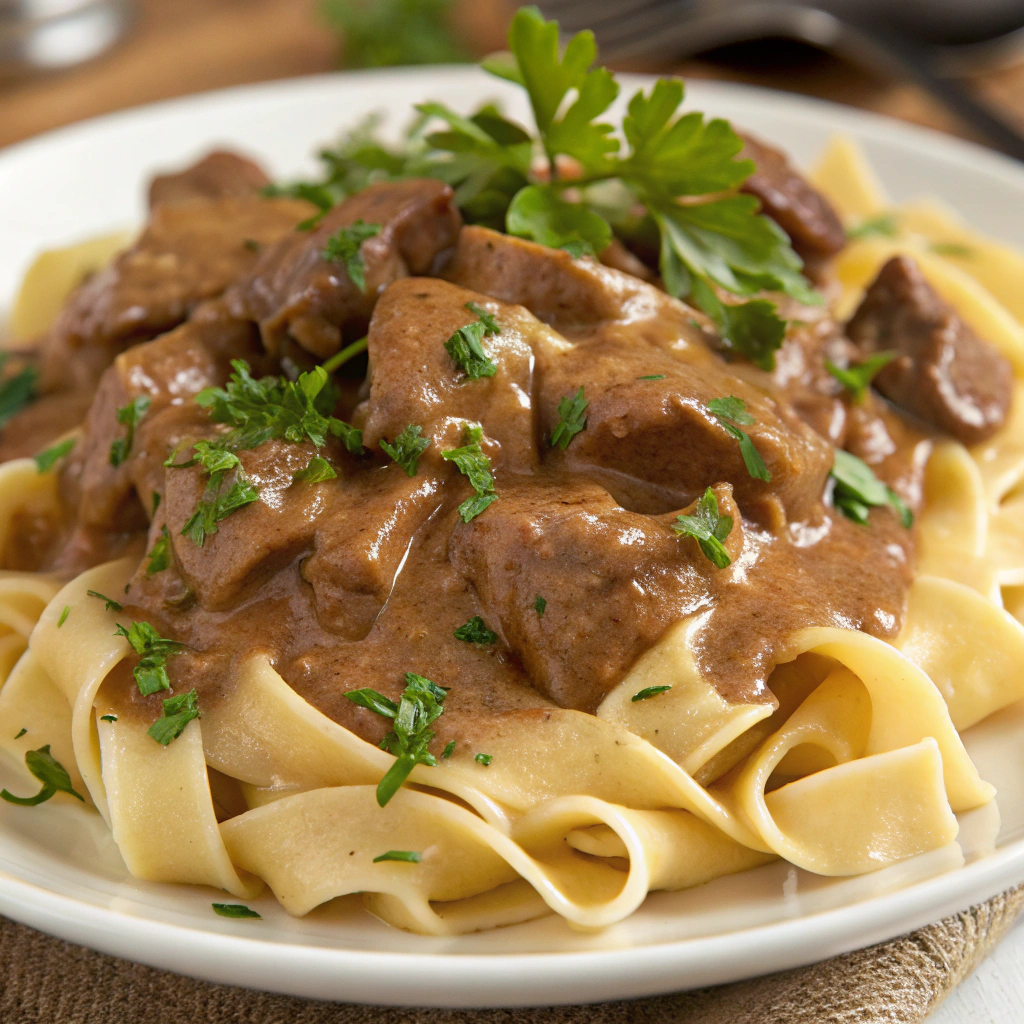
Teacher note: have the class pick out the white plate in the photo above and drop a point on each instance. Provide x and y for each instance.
(59, 869)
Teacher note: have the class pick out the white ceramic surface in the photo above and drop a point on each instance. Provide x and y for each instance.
(59, 869)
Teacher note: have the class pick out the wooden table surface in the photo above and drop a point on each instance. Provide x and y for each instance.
(186, 46)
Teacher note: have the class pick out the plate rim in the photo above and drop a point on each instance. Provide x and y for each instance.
(315, 971)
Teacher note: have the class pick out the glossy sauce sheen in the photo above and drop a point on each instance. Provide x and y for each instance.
(354, 581)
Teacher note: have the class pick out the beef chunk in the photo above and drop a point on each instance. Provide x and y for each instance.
(218, 174)
(189, 252)
(294, 291)
(582, 299)
(943, 373)
(170, 371)
(661, 431)
(791, 201)
(613, 581)
(416, 381)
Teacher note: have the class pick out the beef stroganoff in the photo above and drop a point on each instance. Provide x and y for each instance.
(508, 524)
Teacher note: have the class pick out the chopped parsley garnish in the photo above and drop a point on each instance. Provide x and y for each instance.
(475, 632)
(954, 249)
(572, 420)
(732, 413)
(108, 718)
(345, 247)
(708, 528)
(153, 650)
(408, 856)
(252, 244)
(857, 490)
(407, 448)
(649, 691)
(882, 226)
(21, 733)
(159, 555)
(178, 712)
(50, 772)
(446, 753)
(156, 502)
(16, 392)
(65, 612)
(484, 759)
(275, 407)
(539, 605)
(316, 471)
(857, 379)
(110, 604)
(473, 464)
(342, 356)
(216, 503)
(466, 348)
(46, 460)
(237, 910)
(653, 376)
(420, 705)
(129, 416)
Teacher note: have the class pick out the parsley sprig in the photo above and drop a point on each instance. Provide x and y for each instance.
(216, 503)
(465, 346)
(857, 378)
(708, 528)
(47, 459)
(345, 247)
(178, 712)
(572, 419)
(153, 650)
(857, 490)
(732, 414)
(476, 632)
(407, 448)
(473, 464)
(50, 772)
(419, 706)
(159, 554)
(17, 391)
(129, 416)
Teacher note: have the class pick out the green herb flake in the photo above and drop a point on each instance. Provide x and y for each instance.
(420, 705)
(159, 555)
(572, 420)
(110, 604)
(21, 733)
(108, 718)
(857, 379)
(475, 632)
(466, 348)
(236, 910)
(732, 413)
(178, 712)
(66, 611)
(16, 392)
(407, 448)
(345, 247)
(882, 226)
(50, 772)
(648, 692)
(473, 464)
(708, 528)
(129, 416)
(484, 759)
(153, 651)
(406, 856)
(653, 376)
(156, 502)
(539, 605)
(316, 471)
(952, 249)
(857, 490)
(447, 752)
(46, 460)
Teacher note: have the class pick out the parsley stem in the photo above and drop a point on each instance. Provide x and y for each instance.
(343, 356)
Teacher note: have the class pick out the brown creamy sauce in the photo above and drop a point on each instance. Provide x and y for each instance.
(355, 581)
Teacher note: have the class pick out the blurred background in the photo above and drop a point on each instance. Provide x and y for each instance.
(953, 64)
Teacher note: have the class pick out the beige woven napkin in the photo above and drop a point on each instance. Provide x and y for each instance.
(46, 981)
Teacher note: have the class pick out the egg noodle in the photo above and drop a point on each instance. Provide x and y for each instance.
(860, 766)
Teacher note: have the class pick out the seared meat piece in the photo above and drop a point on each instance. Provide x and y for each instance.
(188, 253)
(943, 374)
(661, 431)
(582, 299)
(170, 371)
(791, 201)
(295, 292)
(218, 174)
(613, 581)
(415, 380)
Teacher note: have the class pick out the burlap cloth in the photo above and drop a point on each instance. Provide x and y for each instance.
(46, 981)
